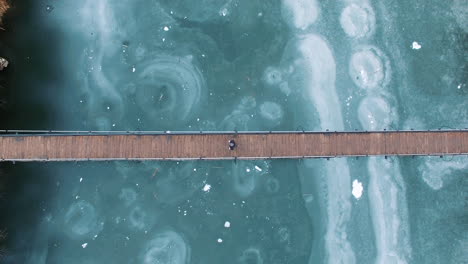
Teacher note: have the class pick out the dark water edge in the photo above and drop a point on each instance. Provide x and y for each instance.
(27, 51)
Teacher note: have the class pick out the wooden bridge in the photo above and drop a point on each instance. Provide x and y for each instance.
(82, 146)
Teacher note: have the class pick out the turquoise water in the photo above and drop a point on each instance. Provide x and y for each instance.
(238, 65)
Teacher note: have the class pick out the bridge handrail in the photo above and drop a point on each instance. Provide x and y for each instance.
(168, 132)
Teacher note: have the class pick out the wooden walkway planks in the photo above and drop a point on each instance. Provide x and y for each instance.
(215, 145)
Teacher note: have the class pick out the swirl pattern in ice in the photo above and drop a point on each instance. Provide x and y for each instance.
(141, 219)
(166, 247)
(82, 221)
(168, 88)
(272, 76)
(247, 176)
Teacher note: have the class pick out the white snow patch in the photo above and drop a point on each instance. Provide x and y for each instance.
(357, 189)
(416, 45)
(206, 188)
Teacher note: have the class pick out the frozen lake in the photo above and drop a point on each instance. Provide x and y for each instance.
(238, 65)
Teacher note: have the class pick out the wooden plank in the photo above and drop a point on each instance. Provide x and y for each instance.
(215, 146)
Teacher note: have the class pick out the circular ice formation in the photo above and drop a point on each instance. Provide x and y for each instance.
(169, 87)
(375, 113)
(300, 13)
(81, 220)
(272, 185)
(251, 256)
(139, 218)
(369, 68)
(128, 196)
(272, 76)
(358, 21)
(167, 247)
(272, 113)
(247, 174)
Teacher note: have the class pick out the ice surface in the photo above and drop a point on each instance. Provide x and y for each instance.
(246, 179)
(358, 20)
(435, 171)
(197, 11)
(166, 247)
(369, 68)
(460, 11)
(272, 76)
(128, 196)
(317, 67)
(241, 65)
(272, 113)
(375, 113)
(241, 118)
(179, 182)
(251, 256)
(320, 73)
(301, 14)
(387, 199)
(82, 221)
(168, 86)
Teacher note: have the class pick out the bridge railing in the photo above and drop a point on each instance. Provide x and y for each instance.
(178, 132)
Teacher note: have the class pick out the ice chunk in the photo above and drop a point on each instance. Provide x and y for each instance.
(357, 189)
(206, 188)
(415, 45)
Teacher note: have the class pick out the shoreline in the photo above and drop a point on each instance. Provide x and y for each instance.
(4, 6)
